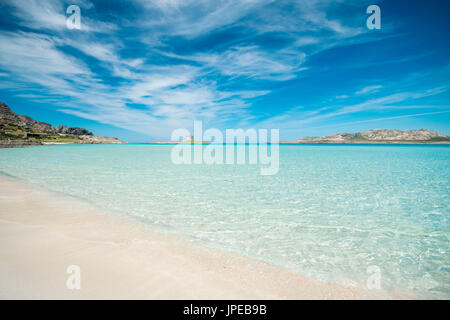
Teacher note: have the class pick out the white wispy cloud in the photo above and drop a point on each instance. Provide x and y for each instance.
(39, 14)
(252, 62)
(412, 115)
(51, 15)
(26, 52)
(191, 18)
(299, 119)
(173, 95)
(168, 94)
(368, 89)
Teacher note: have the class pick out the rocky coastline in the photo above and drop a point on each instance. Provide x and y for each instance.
(378, 136)
(22, 131)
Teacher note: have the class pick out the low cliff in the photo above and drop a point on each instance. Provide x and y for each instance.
(19, 130)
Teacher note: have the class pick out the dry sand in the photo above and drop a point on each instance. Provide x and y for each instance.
(42, 233)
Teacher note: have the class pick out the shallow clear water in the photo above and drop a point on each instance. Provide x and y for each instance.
(330, 212)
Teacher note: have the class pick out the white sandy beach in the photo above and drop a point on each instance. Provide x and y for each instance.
(42, 233)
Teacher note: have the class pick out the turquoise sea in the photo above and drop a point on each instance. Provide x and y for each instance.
(331, 212)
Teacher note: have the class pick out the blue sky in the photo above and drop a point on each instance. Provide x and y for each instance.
(139, 69)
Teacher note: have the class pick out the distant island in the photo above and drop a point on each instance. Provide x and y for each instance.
(379, 136)
(18, 131)
(189, 139)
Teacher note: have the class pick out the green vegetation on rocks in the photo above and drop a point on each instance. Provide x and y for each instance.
(22, 130)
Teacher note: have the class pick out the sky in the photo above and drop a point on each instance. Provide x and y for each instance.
(139, 69)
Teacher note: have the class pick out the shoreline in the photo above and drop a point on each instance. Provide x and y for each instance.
(24, 143)
(28, 143)
(42, 233)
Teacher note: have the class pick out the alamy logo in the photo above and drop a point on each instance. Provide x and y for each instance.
(374, 20)
(74, 280)
(209, 147)
(374, 279)
(74, 20)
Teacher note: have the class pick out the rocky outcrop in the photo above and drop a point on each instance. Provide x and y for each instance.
(19, 130)
(72, 130)
(90, 139)
(384, 134)
(381, 136)
(6, 113)
(7, 116)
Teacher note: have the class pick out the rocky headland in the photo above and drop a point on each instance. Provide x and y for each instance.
(19, 131)
(380, 136)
